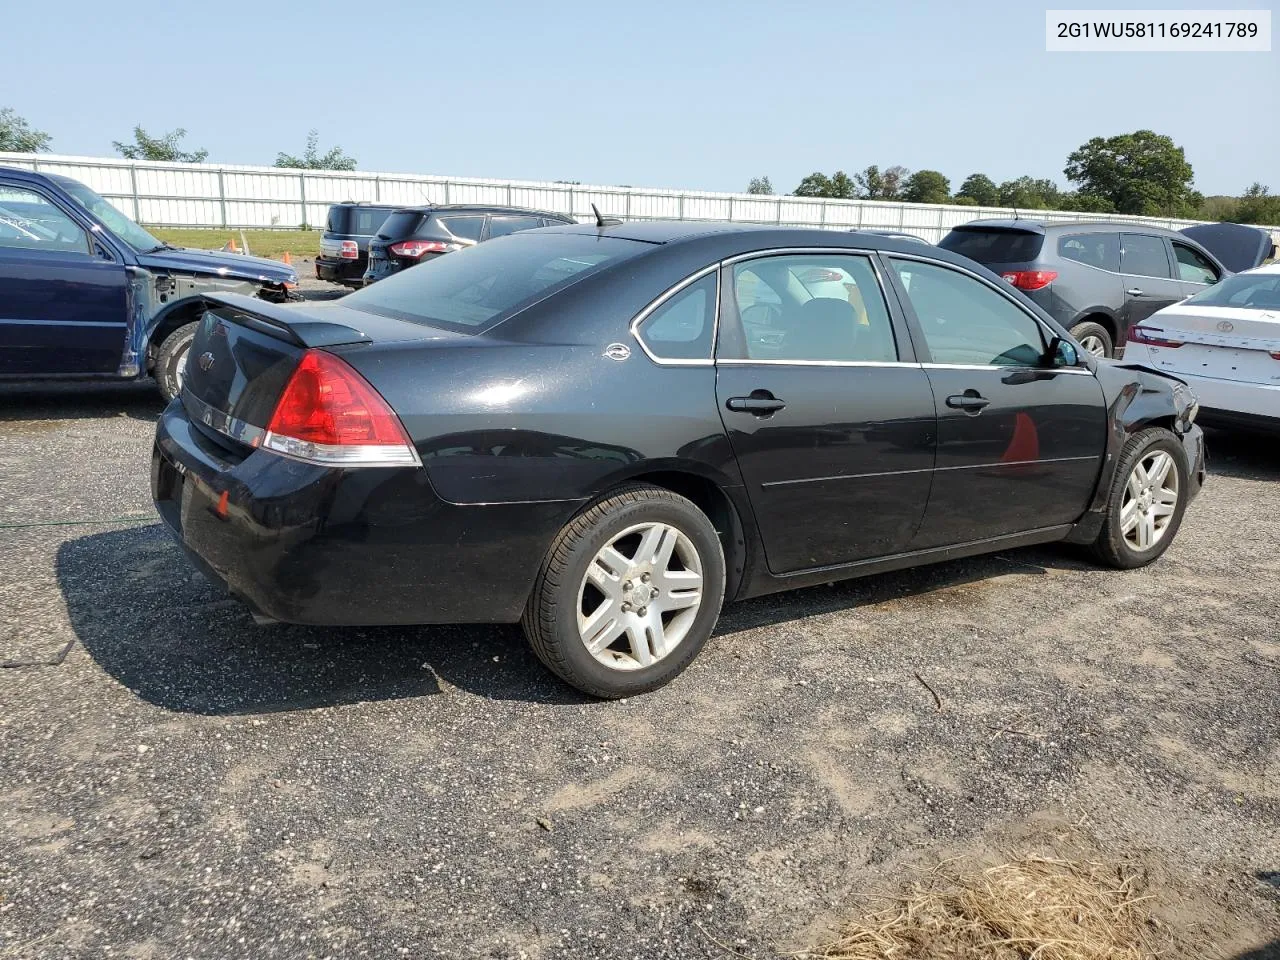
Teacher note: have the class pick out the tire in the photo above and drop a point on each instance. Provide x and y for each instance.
(1095, 336)
(556, 616)
(1123, 549)
(170, 358)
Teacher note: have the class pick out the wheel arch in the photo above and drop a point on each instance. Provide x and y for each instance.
(1105, 317)
(174, 315)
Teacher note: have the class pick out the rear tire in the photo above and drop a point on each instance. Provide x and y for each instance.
(628, 594)
(171, 360)
(1147, 499)
(1095, 338)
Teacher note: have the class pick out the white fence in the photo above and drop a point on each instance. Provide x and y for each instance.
(218, 195)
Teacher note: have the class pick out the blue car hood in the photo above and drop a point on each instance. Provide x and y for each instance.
(220, 264)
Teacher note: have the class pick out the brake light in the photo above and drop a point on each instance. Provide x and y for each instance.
(329, 414)
(1152, 337)
(1030, 279)
(417, 248)
(1275, 355)
(350, 250)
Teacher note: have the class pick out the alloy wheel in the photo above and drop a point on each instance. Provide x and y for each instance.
(1150, 499)
(640, 596)
(180, 366)
(1094, 345)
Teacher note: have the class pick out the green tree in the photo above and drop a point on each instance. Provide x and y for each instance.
(838, 186)
(17, 136)
(1257, 206)
(870, 183)
(894, 178)
(1141, 173)
(979, 188)
(1028, 193)
(926, 186)
(964, 201)
(760, 185)
(1084, 203)
(145, 147)
(313, 159)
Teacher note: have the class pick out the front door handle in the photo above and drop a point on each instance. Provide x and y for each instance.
(970, 401)
(1134, 292)
(761, 402)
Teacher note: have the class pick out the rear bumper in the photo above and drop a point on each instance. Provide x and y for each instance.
(317, 545)
(347, 272)
(1234, 401)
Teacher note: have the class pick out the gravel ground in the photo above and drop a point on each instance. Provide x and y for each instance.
(175, 782)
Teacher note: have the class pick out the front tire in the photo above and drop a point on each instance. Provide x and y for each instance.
(1095, 338)
(171, 360)
(1147, 499)
(628, 594)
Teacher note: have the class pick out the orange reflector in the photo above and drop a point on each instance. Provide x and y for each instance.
(221, 508)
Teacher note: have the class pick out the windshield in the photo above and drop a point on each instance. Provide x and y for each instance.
(477, 288)
(994, 246)
(115, 221)
(1258, 291)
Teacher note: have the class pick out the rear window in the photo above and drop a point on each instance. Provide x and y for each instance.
(994, 246)
(402, 223)
(356, 221)
(1256, 291)
(475, 289)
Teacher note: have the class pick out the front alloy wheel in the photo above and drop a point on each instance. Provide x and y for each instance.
(1150, 499)
(629, 592)
(1145, 502)
(640, 596)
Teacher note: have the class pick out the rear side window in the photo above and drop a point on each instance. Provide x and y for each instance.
(681, 328)
(400, 224)
(1101, 250)
(1192, 266)
(501, 226)
(1143, 256)
(463, 228)
(477, 288)
(994, 246)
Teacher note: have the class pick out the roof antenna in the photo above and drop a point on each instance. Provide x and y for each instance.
(599, 219)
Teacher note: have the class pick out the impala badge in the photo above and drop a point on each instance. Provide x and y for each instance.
(617, 351)
(205, 361)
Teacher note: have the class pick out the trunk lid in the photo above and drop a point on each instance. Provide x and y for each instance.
(1237, 246)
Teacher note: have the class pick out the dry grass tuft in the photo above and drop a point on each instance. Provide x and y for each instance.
(1033, 908)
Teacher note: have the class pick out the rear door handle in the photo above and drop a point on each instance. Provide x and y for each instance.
(1134, 292)
(970, 402)
(761, 403)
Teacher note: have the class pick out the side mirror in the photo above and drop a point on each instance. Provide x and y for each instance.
(1062, 353)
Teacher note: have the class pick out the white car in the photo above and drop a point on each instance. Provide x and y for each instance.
(1225, 342)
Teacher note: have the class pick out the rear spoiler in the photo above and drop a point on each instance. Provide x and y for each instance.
(290, 323)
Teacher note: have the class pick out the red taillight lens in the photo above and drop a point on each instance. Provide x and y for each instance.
(416, 248)
(1030, 279)
(350, 250)
(1152, 337)
(330, 414)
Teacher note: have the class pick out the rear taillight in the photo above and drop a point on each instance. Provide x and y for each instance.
(417, 248)
(1152, 337)
(350, 250)
(329, 414)
(1030, 279)
(1275, 355)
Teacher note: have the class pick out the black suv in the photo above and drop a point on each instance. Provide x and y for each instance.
(344, 247)
(1095, 278)
(416, 234)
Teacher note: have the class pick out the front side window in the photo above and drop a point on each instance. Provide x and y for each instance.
(30, 221)
(1193, 266)
(1101, 250)
(1143, 256)
(681, 329)
(501, 226)
(966, 322)
(809, 307)
(115, 221)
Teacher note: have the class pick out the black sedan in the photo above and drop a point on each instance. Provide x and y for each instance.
(606, 432)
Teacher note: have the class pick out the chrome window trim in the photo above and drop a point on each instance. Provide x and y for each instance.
(1045, 328)
(738, 362)
(662, 298)
(788, 251)
(223, 423)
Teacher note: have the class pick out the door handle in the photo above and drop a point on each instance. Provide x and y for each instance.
(1134, 292)
(761, 403)
(970, 402)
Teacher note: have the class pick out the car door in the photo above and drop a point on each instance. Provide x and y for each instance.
(1195, 270)
(830, 417)
(1149, 283)
(63, 304)
(1020, 443)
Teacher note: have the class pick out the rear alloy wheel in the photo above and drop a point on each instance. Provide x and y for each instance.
(1146, 503)
(629, 593)
(1095, 339)
(171, 360)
